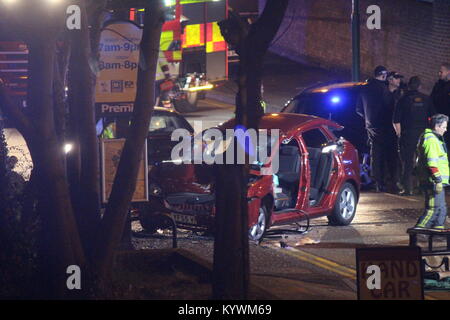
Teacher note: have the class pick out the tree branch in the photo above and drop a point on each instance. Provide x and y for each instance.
(266, 27)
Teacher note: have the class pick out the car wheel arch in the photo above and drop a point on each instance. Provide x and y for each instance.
(268, 201)
(355, 185)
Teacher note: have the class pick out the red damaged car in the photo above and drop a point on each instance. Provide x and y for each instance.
(318, 175)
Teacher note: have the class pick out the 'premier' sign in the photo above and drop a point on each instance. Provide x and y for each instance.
(105, 109)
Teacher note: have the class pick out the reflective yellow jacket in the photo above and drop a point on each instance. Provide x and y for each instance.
(433, 159)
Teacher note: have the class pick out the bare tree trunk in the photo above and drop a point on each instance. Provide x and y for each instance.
(231, 265)
(125, 181)
(85, 165)
(231, 260)
(62, 245)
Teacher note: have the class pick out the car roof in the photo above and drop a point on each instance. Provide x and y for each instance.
(286, 122)
(321, 88)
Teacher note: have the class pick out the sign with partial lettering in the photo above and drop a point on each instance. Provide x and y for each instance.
(118, 67)
(389, 273)
(111, 152)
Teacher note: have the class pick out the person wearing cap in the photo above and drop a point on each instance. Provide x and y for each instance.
(395, 86)
(373, 106)
(433, 172)
(410, 119)
(441, 93)
(396, 91)
(441, 90)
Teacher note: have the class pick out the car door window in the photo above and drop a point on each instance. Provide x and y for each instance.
(314, 138)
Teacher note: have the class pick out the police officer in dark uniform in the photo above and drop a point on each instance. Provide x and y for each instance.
(410, 120)
(441, 94)
(396, 89)
(373, 106)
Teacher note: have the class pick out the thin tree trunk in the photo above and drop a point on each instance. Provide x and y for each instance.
(86, 166)
(125, 181)
(231, 260)
(62, 245)
(230, 273)
(59, 89)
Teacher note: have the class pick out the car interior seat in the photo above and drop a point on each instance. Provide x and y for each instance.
(289, 170)
(320, 165)
(289, 175)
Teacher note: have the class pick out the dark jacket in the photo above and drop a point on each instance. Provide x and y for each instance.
(394, 98)
(441, 97)
(373, 105)
(412, 111)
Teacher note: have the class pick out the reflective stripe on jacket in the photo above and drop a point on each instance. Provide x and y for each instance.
(433, 154)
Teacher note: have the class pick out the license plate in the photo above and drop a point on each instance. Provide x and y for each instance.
(182, 218)
(196, 208)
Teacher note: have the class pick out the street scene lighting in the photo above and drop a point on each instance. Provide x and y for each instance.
(68, 147)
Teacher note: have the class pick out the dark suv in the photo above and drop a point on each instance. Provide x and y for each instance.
(337, 102)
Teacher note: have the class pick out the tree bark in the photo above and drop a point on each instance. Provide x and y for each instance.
(59, 88)
(231, 264)
(124, 185)
(62, 245)
(85, 164)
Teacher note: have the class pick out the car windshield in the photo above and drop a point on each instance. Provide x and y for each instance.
(163, 124)
(336, 105)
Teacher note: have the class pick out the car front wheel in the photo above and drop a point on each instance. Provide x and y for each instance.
(151, 221)
(345, 206)
(258, 230)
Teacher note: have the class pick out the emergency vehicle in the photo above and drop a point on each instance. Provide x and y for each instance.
(193, 47)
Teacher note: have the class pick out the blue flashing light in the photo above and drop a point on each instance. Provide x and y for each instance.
(335, 99)
(244, 141)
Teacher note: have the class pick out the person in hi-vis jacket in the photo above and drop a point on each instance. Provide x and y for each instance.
(433, 173)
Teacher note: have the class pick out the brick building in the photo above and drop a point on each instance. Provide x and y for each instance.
(414, 37)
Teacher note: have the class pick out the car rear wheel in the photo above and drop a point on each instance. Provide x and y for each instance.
(192, 99)
(181, 105)
(345, 207)
(258, 230)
